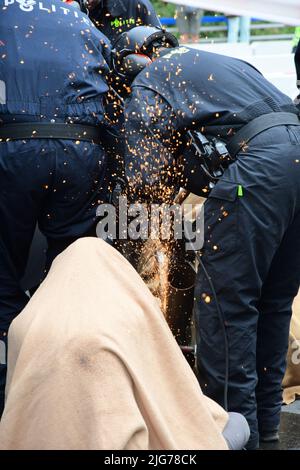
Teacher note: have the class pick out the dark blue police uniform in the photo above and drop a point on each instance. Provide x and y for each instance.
(252, 218)
(113, 17)
(53, 66)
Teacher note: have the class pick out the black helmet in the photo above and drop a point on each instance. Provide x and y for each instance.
(134, 49)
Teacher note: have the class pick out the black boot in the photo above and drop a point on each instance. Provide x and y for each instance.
(269, 436)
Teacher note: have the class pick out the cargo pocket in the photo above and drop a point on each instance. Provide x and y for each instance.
(221, 219)
(294, 134)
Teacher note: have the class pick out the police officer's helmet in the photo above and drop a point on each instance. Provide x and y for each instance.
(134, 49)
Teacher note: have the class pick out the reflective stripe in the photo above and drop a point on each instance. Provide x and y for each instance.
(2, 353)
(2, 92)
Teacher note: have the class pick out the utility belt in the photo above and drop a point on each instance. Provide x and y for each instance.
(38, 130)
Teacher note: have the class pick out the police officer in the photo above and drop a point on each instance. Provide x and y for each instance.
(251, 251)
(53, 66)
(113, 17)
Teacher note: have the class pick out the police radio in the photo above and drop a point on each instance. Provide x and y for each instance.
(204, 162)
(213, 155)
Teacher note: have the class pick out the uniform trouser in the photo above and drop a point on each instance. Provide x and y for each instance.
(252, 254)
(56, 184)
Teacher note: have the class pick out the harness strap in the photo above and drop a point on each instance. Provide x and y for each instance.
(257, 126)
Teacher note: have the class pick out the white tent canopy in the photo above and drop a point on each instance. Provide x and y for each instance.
(283, 11)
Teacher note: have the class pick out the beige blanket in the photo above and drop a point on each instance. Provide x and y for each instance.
(93, 365)
(291, 381)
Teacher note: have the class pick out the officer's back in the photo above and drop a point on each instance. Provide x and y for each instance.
(52, 64)
(211, 90)
(52, 161)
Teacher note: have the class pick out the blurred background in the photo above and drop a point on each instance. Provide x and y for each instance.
(242, 32)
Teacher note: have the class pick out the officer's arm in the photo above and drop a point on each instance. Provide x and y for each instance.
(151, 146)
(104, 45)
(106, 50)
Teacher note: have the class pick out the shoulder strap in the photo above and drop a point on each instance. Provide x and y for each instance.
(258, 125)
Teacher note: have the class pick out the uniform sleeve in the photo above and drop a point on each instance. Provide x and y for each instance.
(151, 146)
(106, 50)
(104, 45)
(148, 14)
